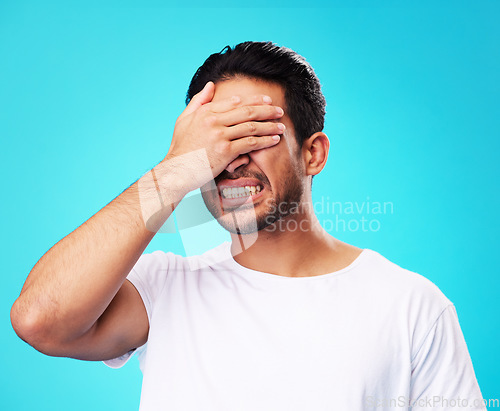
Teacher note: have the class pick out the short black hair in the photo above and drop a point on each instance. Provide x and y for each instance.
(305, 102)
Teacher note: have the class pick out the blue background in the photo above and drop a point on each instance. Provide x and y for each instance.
(90, 94)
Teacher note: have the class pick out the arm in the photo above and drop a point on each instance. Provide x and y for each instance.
(76, 301)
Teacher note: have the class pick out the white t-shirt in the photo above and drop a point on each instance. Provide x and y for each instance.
(224, 337)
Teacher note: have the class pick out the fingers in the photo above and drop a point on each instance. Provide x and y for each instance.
(253, 128)
(203, 97)
(237, 118)
(246, 144)
(230, 103)
(249, 113)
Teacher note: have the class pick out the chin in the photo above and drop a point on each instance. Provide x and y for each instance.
(239, 221)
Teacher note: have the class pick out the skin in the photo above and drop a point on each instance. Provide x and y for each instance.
(77, 302)
(285, 171)
(276, 197)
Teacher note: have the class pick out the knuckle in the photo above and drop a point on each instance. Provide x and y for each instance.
(252, 127)
(249, 111)
(252, 141)
(210, 120)
(218, 133)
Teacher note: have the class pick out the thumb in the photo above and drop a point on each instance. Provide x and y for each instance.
(203, 97)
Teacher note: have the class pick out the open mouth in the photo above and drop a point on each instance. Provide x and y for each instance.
(240, 191)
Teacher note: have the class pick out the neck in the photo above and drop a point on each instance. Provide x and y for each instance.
(295, 246)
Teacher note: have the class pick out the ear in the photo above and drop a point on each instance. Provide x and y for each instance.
(315, 153)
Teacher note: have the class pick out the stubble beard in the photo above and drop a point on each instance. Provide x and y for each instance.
(248, 219)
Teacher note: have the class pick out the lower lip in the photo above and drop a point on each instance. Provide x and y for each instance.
(239, 201)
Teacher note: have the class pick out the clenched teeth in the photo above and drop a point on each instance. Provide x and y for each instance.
(235, 192)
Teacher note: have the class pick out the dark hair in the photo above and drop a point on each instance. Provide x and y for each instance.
(305, 103)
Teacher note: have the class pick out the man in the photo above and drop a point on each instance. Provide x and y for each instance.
(285, 317)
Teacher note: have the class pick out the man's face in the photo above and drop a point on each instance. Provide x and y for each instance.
(276, 174)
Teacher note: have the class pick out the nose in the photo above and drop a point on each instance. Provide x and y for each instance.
(239, 161)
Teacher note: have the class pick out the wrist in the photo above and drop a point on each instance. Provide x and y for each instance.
(185, 172)
(164, 186)
(170, 183)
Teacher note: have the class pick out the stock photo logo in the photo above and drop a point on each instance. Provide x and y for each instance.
(352, 216)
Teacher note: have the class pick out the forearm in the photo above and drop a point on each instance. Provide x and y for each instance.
(73, 283)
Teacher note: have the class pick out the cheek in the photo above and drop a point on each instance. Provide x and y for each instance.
(266, 162)
(268, 156)
(275, 163)
(263, 159)
(259, 157)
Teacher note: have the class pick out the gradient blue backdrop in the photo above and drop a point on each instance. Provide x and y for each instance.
(90, 94)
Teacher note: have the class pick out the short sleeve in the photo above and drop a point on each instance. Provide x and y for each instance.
(442, 373)
(148, 276)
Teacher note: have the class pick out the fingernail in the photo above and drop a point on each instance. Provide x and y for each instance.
(281, 126)
(276, 138)
(267, 99)
(279, 110)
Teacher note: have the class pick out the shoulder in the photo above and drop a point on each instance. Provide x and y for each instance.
(409, 299)
(398, 284)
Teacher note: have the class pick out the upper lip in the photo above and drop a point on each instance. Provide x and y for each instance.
(239, 182)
